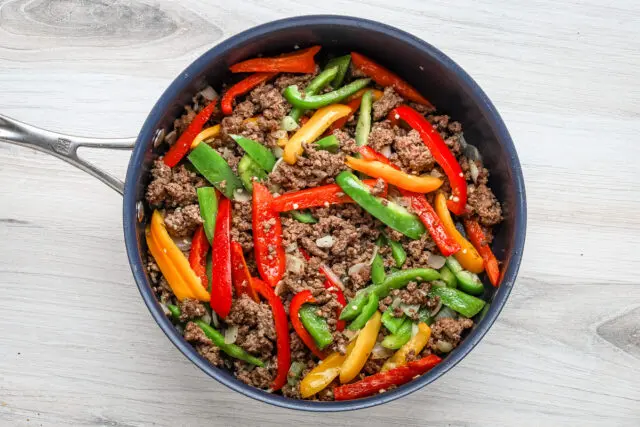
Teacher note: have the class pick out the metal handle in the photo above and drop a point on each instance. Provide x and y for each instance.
(64, 147)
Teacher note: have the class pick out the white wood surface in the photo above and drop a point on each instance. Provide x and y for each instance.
(77, 345)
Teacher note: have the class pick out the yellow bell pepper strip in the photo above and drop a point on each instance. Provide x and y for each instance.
(324, 373)
(414, 346)
(209, 133)
(169, 271)
(311, 130)
(468, 256)
(364, 343)
(176, 259)
(376, 169)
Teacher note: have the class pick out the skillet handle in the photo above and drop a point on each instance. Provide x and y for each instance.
(64, 147)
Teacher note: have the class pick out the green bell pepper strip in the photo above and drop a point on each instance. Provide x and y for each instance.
(215, 169)
(232, 350)
(377, 270)
(303, 216)
(315, 86)
(467, 282)
(248, 169)
(448, 277)
(363, 128)
(328, 143)
(400, 279)
(313, 102)
(354, 306)
(397, 252)
(316, 325)
(381, 240)
(174, 310)
(392, 214)
(295, 371)
(453, 265)
(258, 152)
(465, 304)
(367, 311)
(399, 338)
(391, 322)
(208, 202)
(342, 62)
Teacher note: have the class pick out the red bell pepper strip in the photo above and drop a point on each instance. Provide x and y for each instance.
(385, 77)
(241, 88)
(267, 236)
(296, 302)
(221, 293)
(300, 61)
(282, 332)
(334, 289)
(181, 147)
(324, 195)
(421, 207)
(198, 255)
(240, 273)
(383, 380)
(476, 236)
(441, 154)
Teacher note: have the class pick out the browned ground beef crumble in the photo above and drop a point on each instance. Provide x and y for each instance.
(353, 230)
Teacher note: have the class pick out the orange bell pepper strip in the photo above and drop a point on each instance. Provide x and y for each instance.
(311, 130)
(324, 373)
(242, 280)
(385, 77)
(414, 346)
(353, 102)
(181, 147)
(376, 169)
(300, 61)
(242, 87)
(364, 343)
(376, 94)
(169, 271)
(467, 256)
(476, 235)
(209, 133)
(175, 263)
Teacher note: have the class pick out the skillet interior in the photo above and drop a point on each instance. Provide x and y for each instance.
(431, 72)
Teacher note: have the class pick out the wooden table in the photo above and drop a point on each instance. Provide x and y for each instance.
(78, 346)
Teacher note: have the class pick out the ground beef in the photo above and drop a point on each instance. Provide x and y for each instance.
(194, 334)
(191, 309)
(211, 353)
(183, 122)
(254, 376)
(256, 332)
(292, 391)
(339, 343)
(424, 109)
(241, 225)
(301, 80)
(172, 187)
(389, 100)
(299, 352)
(413, 154)
(382, 135)
(316, 167)
(355, 72)
(347, 142)
(203, 345)
(449, 330)
(270, 102)
(418, 251)
(415, 294)
(379, 188)
(372, 366)
(182, 222)
(483, 203)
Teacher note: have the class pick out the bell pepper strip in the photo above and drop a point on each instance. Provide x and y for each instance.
(206, 135)
(300, 61)
(258, 152)
(364, 343)
(391, 322)
(400, 337)
(342, 65)
(467, 282)
(314, 86)
(282, 332)
(208, 202)
(334, 289)
(221, 281)
(175, 257)
(353, 102)
(249, 171)
(367, 311)
(198, 254)
(448, 277)
(413, 346)
(316, 325)
(322, 196)
(303, 216)
(467, 255)
(374, 168)
(385, 77)
(232, 350)
(178, 285)
(312, 102)
(242, 281)
(296, 304)
(215, 169)
(390, 213)
(242, 87)
(398, 253)
(381, 381)
(209, 271)
(181, 147)
(401, 278)
(267, 236)
(355, 305)
(329, 143)
(295, 371)
(377, 270)
(363, 127)
(174, 310)
(324, 373)
(375, 93)
(477, 238)
(311, 130)
(441, 154)
(465, 304)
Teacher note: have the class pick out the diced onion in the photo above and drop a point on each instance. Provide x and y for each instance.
(209, 93)
(379, 352)
(331, 276)
(165, 309)
(436, 173)
(292, 247)
(280, 288)
(414, 330)
(446, 313)
(325, 241)
(206, 318)
(473, 169)
(396, 302)
(386, 151)
(294, 264)
(357, 268)
(277, 163)
(436, 309)
(288, 124)
(278, 152)
(444, 346)
(279, 134)
(375, 252)
(231, 334)
(183, 243)
(241, 195)
(410, 309)
(435, 261)
(349, 334)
